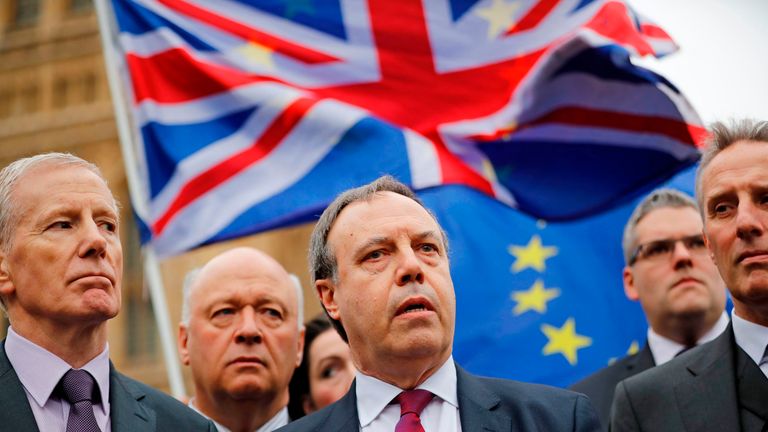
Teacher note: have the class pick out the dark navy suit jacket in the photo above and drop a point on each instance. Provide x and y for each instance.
(485, 404)
(133, 406)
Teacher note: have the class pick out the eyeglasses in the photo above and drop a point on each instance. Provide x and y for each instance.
(658, 250)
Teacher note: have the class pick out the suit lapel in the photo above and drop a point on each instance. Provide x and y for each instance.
(707, 397)
(127, 411)
(343, 415)
(15, 413)
(642, 361)
(477, 405)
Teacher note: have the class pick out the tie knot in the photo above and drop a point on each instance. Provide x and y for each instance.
(413, 401)
(78, 385)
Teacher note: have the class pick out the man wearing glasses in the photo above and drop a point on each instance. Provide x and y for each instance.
(670, 272)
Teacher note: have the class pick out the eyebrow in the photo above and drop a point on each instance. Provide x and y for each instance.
(377, 241)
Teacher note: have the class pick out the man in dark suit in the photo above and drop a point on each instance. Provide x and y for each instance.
(722, 385)
(670, 272)
(379, 262)
(61, 267)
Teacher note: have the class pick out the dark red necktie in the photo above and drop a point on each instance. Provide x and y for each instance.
(412, 402)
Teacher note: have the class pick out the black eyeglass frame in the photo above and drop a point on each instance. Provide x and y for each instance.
(669, 244)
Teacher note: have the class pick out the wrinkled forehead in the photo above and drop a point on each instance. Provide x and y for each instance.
(382, 208)
(243, 284)
(48, 182)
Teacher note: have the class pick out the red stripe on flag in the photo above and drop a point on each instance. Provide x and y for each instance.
(534, 16)
(223, 171)
(175, 76)
(454, 170)
(613, 22)
(579, 116)
(654, 31)
(250, 34)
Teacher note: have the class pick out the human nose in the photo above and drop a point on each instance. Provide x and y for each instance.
(409, 269)
(681, 255)
(248, 330)
(748, 223)
(94, 243)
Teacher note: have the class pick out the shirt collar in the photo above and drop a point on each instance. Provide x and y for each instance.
(373, 395)
(751, 337)
(277, 421)
(28, 359)
(664, 349)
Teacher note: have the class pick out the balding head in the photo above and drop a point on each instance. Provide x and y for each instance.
(242, 335)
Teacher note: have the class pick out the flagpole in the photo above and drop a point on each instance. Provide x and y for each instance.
(152, 270)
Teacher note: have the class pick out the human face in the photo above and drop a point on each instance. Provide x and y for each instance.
(681, 286)
(242, 341)
(734, 190)
(393, 292)
(64, 263)
(331, 370)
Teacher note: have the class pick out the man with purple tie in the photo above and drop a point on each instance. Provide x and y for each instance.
(61, 267)
(379, 262)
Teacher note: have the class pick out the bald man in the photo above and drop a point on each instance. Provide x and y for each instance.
(242, 337)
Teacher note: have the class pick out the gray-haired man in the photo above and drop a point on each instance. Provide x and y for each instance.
(242, 336)
(668, 269)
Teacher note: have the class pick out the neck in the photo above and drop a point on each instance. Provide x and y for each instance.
(757, 315)
(75, 344)
(405, 374)
(688, 329)
(240, 415)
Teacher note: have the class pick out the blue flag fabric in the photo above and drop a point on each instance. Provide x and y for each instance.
(540, 302)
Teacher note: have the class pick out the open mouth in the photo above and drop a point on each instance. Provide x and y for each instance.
(414, 305)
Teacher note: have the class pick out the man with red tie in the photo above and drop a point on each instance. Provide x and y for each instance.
(379, 262)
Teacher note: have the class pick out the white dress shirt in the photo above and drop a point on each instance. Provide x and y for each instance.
(377, 413)
(664, 350)
(752, 338)
(277, 421)
(40, 371)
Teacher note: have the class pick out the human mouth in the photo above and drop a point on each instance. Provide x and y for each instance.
(415, 305)
(753, 257)
(247, 360)
(94, 279)
(685, 280)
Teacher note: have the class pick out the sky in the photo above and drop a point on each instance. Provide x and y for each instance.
(722, 64)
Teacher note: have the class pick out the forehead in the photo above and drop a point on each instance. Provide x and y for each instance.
(60, 184)
(384, 213)
(668, 222)
(741, 166)
(243, 284)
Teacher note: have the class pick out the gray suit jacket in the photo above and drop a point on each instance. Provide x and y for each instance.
(133, 405)
(485, 404)
(693, 392)
(600, 385)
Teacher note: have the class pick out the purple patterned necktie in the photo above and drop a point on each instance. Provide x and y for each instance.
(412, 402)
(78, 387)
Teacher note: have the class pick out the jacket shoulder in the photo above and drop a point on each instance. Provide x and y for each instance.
(169, 413)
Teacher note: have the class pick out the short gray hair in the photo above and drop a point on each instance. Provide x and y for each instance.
(10, 176)
(322, 262)
(191, 278)
(721, 136)
(660, 198)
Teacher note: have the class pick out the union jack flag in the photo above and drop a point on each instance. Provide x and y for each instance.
(251, 115)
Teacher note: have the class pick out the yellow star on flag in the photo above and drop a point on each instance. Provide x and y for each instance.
(258, 54)
(500, 16)
(634, 347)
(564, 341)
(531, 255)
(535, 298)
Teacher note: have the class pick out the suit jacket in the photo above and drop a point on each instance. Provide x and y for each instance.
(485, 404)
(133, 405)
(600, 385)
(696, 391)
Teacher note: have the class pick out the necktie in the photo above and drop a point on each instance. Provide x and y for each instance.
(412, 402)
(78, 387)
(763, 365)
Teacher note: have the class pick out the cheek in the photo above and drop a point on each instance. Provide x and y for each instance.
(326, 392)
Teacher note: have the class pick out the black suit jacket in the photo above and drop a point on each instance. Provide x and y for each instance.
(133, 405)
(600, 385)
(693, 392)
(485, 404)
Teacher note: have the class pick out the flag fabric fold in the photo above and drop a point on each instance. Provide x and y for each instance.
(254, 115)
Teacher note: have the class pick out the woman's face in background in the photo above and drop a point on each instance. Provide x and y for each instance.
(330, 370)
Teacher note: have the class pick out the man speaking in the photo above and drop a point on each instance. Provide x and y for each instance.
(379, 262)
